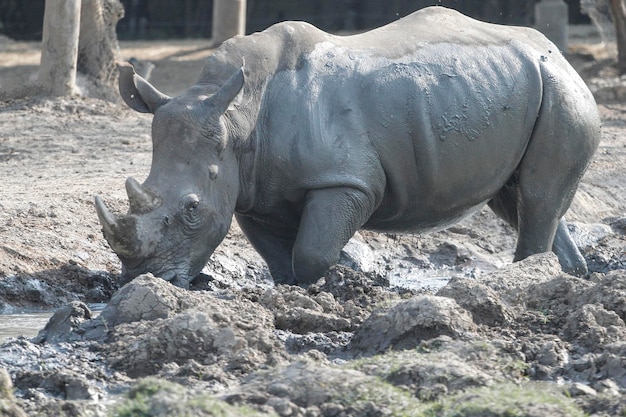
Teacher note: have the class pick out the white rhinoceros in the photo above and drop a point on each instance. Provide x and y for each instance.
(408, 127)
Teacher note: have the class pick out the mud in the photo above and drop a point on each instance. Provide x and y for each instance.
(432, 325)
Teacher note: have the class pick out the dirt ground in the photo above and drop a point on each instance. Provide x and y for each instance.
(57, 154)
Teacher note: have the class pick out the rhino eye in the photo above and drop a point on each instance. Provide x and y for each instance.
(166, 220)
(191, 205)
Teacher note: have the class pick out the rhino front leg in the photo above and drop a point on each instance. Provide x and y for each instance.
(275, 248)
(330, 218)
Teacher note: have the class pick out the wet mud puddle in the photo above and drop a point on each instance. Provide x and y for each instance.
(29, 323)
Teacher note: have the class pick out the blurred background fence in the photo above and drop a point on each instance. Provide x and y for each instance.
(167, 19)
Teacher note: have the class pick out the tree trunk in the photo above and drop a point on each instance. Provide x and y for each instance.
(98, 48)
(57, 71)
(618, 8)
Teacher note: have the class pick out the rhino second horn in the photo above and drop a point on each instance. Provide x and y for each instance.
(140, 199)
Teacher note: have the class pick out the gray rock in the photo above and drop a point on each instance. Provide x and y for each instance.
(578, 389)
(482, 302)
(233, 334)
(593, 326)
(320, 389)
(511, 281)
(407, 323)
(147, 298)
(300, 313)
(609, 291)
(63, 323)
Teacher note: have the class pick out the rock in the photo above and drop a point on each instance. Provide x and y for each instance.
(318, 389)
(511, 281)
(63, 322)
(300, 313)
(593, 326)
(482, 302)
(357, 255)
(577, 389)
(609, 291)
(233, 334)
(406, 323)
(147, 298)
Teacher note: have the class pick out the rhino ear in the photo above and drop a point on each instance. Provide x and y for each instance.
(138, 93)
(228, 94)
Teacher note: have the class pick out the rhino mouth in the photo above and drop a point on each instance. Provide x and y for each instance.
(176, 277)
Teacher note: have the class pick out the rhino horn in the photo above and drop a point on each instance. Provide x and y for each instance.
(137, 92)
(107, 219)
(115, 231)
(141, 200)
(226, 95)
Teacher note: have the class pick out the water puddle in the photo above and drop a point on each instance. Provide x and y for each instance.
(419, 281)
(29, 323)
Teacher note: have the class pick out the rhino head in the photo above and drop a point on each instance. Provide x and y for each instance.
(183, 210)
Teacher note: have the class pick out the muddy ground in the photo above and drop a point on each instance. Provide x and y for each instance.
(435, 325)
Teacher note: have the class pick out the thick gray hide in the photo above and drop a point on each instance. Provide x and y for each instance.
(406, 128)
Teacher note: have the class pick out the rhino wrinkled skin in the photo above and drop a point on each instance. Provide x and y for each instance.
(307, 137)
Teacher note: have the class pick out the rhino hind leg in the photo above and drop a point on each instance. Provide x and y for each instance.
(570, 257)
(565, 137)
(504, 205)
(535, 221)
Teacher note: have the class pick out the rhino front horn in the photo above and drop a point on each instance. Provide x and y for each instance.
(107, 219)
(141, 200)
(119, 233)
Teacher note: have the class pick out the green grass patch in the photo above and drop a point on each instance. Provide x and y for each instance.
(507, 400)
(154, 397)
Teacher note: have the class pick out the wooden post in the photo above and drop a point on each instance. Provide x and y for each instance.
(229, 19)
(551, 18)
(57, 70)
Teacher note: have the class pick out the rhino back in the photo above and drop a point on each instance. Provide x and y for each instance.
(283, 46)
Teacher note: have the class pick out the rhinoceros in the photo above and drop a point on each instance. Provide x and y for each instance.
(306, 137)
